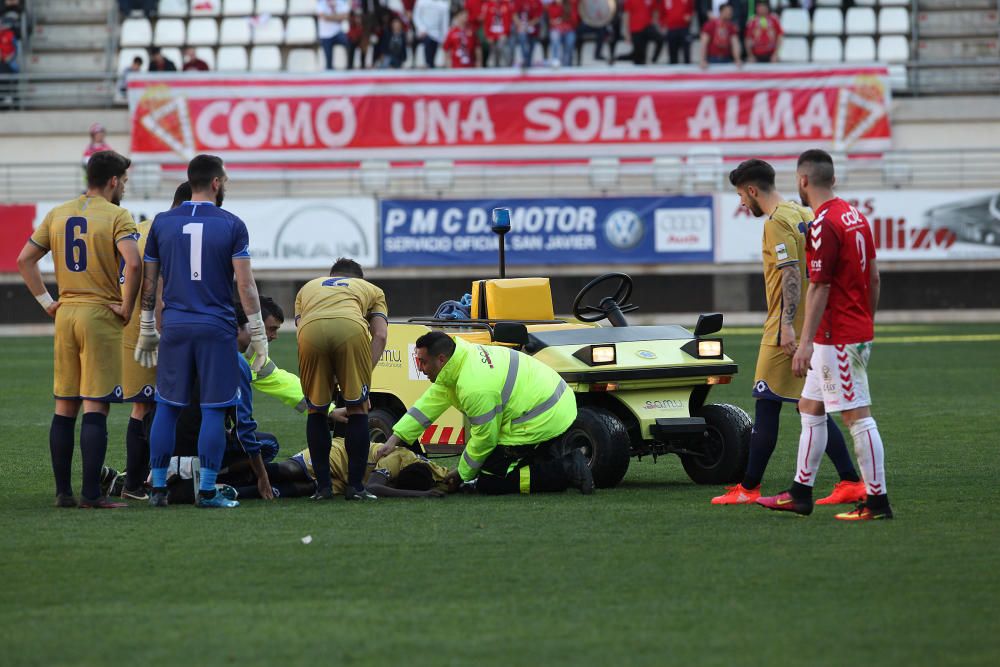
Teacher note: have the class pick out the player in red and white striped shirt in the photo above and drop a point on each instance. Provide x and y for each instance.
(836, 342)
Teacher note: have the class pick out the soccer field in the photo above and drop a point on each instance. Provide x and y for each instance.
(647, 573)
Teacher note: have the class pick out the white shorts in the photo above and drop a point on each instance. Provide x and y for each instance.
(839, 376)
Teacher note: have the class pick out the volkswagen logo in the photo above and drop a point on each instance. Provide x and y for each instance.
(646, 354)
(624, 229)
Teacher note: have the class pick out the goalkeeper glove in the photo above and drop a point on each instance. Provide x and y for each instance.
(258, 341)
(149, 340)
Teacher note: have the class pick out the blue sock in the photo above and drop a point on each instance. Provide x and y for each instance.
(61, 444)
(836, 449)
(211, 447)
(763, 439)
(93, 449)
(162, 436)
(318, 438)
(357, 443)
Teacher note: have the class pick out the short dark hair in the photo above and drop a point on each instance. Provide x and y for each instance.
(202, 169)
(241, 317)
(819, 167)
(415, 477)
(137, 60)
(345, 266)
(437, 342)
(268, 308)
(105, 165)
(181, 194)
(154, 50)
(753, 172)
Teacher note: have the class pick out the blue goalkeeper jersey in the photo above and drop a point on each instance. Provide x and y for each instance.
(195, 245)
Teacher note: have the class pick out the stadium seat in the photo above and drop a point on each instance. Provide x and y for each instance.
(301, 8)
(231, 59)
(202, 32)
(271, 31)
(667, 173)
(866, 3)
(237, 8)
(173, 9)
(235, 31)
(859, 48)
(439, 175)
(893, 49)
(827, 21)
(894, 21)
(173, 54)
(265, 59)
(795, 21)
(827, 50)
(794, 50)
(860, 21)
(272, 7)
(207, 54)
(828, 3)
(304, 60)
(300, 30)
(136, 32)
(206, 7)
(704, 169)
(604, 172)
(898, 3)
(169, 32)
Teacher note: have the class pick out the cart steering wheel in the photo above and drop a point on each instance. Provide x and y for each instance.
(611, 307)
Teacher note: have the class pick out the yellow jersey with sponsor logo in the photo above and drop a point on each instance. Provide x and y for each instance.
(339, 297)
(389, 465)
(82, 235)
(131, 333)
(783, 245)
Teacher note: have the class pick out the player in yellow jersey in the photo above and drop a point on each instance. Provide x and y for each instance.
(342, 325)
(89, 238)
(774, 383)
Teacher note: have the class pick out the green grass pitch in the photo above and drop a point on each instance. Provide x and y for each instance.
(647, 573)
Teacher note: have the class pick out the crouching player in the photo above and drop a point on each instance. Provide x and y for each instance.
(518, 410)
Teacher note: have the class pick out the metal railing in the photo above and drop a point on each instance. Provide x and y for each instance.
(906, 170)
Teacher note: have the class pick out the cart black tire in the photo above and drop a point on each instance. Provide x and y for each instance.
(727, 446)
(605, 442)
(380, 423)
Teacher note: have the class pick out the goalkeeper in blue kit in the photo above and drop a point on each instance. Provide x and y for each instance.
(198, 247)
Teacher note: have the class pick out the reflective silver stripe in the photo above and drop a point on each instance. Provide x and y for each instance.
(303, 404)
(479, 420)
(472, 463)
(543, 406)
(419, 416)
(268, 368)
(508, 383)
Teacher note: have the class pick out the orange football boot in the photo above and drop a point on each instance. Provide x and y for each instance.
(845, 493)
(737, 495)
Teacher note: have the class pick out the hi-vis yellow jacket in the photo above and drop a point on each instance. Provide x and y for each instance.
(507, 397)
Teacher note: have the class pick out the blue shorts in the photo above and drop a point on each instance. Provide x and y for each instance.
(200, 353)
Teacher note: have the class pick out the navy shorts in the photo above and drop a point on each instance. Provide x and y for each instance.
(200, 353)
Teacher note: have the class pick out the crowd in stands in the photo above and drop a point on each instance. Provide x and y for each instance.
(10, 38)
(526, 33)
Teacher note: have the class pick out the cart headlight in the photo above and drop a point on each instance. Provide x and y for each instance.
(704, 348)
(597, 355)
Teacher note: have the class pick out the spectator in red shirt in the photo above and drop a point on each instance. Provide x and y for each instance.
(497, 18)
(763, 35)
(639, 19)
(675, 20)
(193, 62)
(97, 143)
(462, 44)
(527, 25)
(564, 18)
(720, 39)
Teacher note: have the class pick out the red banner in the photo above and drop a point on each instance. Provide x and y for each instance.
(497, 114)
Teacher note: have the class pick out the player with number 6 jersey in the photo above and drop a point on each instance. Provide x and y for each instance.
(198, 247)
(342, 325)
(836, 342)
(90, 237)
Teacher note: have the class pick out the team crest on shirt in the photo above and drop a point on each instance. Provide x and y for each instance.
(781, 251)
